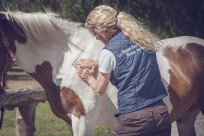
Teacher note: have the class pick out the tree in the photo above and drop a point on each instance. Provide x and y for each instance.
(166, 18)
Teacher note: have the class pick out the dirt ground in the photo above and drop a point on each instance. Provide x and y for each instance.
(11, 84)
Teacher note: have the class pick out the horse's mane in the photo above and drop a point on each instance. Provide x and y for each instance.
(41, 27)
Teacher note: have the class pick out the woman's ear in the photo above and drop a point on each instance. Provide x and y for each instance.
(105, 32)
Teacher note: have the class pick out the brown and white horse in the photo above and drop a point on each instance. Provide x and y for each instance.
(46, 47)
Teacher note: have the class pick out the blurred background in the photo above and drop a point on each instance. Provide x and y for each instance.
(165, 18)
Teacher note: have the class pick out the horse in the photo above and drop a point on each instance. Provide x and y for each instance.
(45, 46)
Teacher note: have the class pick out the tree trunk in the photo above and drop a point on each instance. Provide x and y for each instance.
(25, 120)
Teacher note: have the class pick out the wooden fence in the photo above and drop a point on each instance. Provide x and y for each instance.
(25, 99)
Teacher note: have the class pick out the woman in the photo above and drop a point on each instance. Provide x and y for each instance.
(128, 60)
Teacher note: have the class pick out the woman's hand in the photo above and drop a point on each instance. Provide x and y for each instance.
(87, 63)
(84, 69)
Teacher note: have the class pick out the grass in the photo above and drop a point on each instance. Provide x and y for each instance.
(46, 123)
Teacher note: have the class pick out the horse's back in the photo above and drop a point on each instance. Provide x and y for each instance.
(181, 41)
(181, 65)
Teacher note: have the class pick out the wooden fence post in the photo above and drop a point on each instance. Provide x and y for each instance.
(25, 120)
(26, 100)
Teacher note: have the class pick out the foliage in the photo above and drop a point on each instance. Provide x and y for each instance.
(166, 18)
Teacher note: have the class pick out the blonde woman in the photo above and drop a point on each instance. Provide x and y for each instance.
(129, 61)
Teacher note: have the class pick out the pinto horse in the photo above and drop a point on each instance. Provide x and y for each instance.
(46, 46)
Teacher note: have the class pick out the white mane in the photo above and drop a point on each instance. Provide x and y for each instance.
(41, 28)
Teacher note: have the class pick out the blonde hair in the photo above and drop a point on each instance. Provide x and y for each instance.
(104, 17)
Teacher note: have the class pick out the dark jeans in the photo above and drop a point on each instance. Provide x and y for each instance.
(153, 120)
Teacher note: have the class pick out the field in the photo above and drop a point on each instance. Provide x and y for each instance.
(46, 124)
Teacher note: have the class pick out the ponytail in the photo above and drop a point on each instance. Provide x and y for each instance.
(104, 17)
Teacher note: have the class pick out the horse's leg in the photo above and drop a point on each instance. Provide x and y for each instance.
(70, 128)
(83, 112)
(78, 125)
(200, 101)
(185, 124)
(84, 125)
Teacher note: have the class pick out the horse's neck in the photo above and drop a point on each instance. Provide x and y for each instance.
(60, 57)
(54, 65)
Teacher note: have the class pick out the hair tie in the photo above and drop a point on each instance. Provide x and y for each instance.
(116, 15)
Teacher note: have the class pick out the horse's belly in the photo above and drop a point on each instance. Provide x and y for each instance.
(107, 112)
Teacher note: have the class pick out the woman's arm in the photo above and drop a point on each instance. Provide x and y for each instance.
(100, 85)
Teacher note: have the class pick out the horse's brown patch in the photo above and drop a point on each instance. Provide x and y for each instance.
(71, 103)
(62, 101)
(186, 69)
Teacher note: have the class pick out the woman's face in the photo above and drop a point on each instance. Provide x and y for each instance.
(99, 36)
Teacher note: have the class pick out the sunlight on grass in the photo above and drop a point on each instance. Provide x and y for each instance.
(46, 123)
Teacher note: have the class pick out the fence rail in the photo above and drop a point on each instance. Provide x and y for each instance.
(22, 96)
(25, 99)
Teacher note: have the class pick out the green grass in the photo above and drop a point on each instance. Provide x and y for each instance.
(46, 124)
(8, 126)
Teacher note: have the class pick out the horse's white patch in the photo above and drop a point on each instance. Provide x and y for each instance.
(66, 77)
(78, 125)
(164, 67)
(84, 125)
